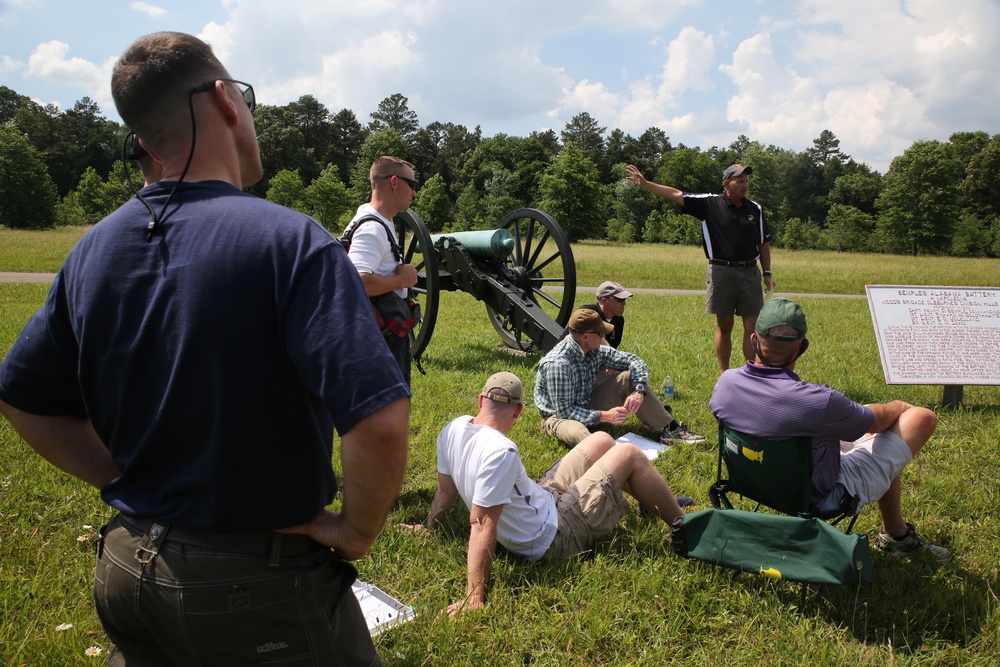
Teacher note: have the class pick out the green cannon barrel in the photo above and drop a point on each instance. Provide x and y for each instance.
(489, 244)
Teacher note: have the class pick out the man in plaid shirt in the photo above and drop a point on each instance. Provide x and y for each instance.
(571, 401)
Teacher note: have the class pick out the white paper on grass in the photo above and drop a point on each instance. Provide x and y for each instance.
(649, 448)
(381, 610)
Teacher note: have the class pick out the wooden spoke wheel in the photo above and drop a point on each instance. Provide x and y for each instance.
(415, 241)
(543, 269)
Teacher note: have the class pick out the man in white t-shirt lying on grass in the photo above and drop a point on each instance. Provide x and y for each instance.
(578, 500)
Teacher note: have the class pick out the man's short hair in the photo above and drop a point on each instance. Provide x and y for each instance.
(781, 319)
(153, 77)
(387, 165)
(503, 387)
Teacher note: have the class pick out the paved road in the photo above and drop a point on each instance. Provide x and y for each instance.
(791, 295)
(12, 277)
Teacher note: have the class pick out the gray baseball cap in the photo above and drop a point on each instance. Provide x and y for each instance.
(734, 170)
(609, 289)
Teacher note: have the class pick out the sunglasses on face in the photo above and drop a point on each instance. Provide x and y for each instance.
(409, 181)
(248, 94)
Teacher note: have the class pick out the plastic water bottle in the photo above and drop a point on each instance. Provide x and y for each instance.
(668, 390)
(768, 293)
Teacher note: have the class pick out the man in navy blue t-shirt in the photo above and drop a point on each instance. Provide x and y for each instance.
(194, 355)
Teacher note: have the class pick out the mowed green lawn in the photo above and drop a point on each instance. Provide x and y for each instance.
(632, 602)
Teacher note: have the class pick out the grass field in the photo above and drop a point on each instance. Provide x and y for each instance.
(37, 251)
(639, 265)
(632, 602)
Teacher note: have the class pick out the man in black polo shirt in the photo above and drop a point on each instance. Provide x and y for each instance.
(734, 236)
(611, 307)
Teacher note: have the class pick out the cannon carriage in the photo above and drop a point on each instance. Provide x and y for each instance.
(523, 271)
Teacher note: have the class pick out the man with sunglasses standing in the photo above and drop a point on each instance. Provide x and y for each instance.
(196, 351)
(374, 249)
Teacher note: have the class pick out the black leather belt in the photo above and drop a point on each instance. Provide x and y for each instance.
(262, 544)
(734, 265)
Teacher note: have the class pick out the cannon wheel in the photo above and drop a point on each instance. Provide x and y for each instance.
(415, 241)
(542, 258)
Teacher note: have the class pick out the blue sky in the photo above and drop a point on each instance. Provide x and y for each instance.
(880, 74)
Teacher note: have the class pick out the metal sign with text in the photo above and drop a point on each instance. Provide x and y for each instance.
(937, 335)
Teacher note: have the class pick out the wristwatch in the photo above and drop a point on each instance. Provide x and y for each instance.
(639, 388)
(767, 273)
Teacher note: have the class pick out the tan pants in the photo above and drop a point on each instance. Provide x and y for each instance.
(588, 500)
(609, 394)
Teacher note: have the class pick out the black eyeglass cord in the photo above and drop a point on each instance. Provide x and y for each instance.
(157, 220)
(126, 158)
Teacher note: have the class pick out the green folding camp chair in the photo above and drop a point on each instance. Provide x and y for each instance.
(773, 473)
(797, 544)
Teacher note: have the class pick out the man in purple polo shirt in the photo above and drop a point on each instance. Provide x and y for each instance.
(858, 450)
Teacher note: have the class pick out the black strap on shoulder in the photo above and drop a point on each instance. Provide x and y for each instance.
(352, 228)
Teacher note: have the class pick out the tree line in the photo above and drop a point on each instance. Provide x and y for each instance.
(65, 168)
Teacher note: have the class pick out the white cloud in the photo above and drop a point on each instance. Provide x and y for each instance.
(615, 15)
(12, 6)
(893, 73)
(879, 75)
(9, 66)
(455, 61)
(642, 109)
(452, 63)
(48, 61)
(594, 98)
(646, 103)
(706, 129)
(381, 61)
(689, 58)
(153, 11)
(779, 105)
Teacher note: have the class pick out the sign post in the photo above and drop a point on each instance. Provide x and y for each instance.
(937, 335)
